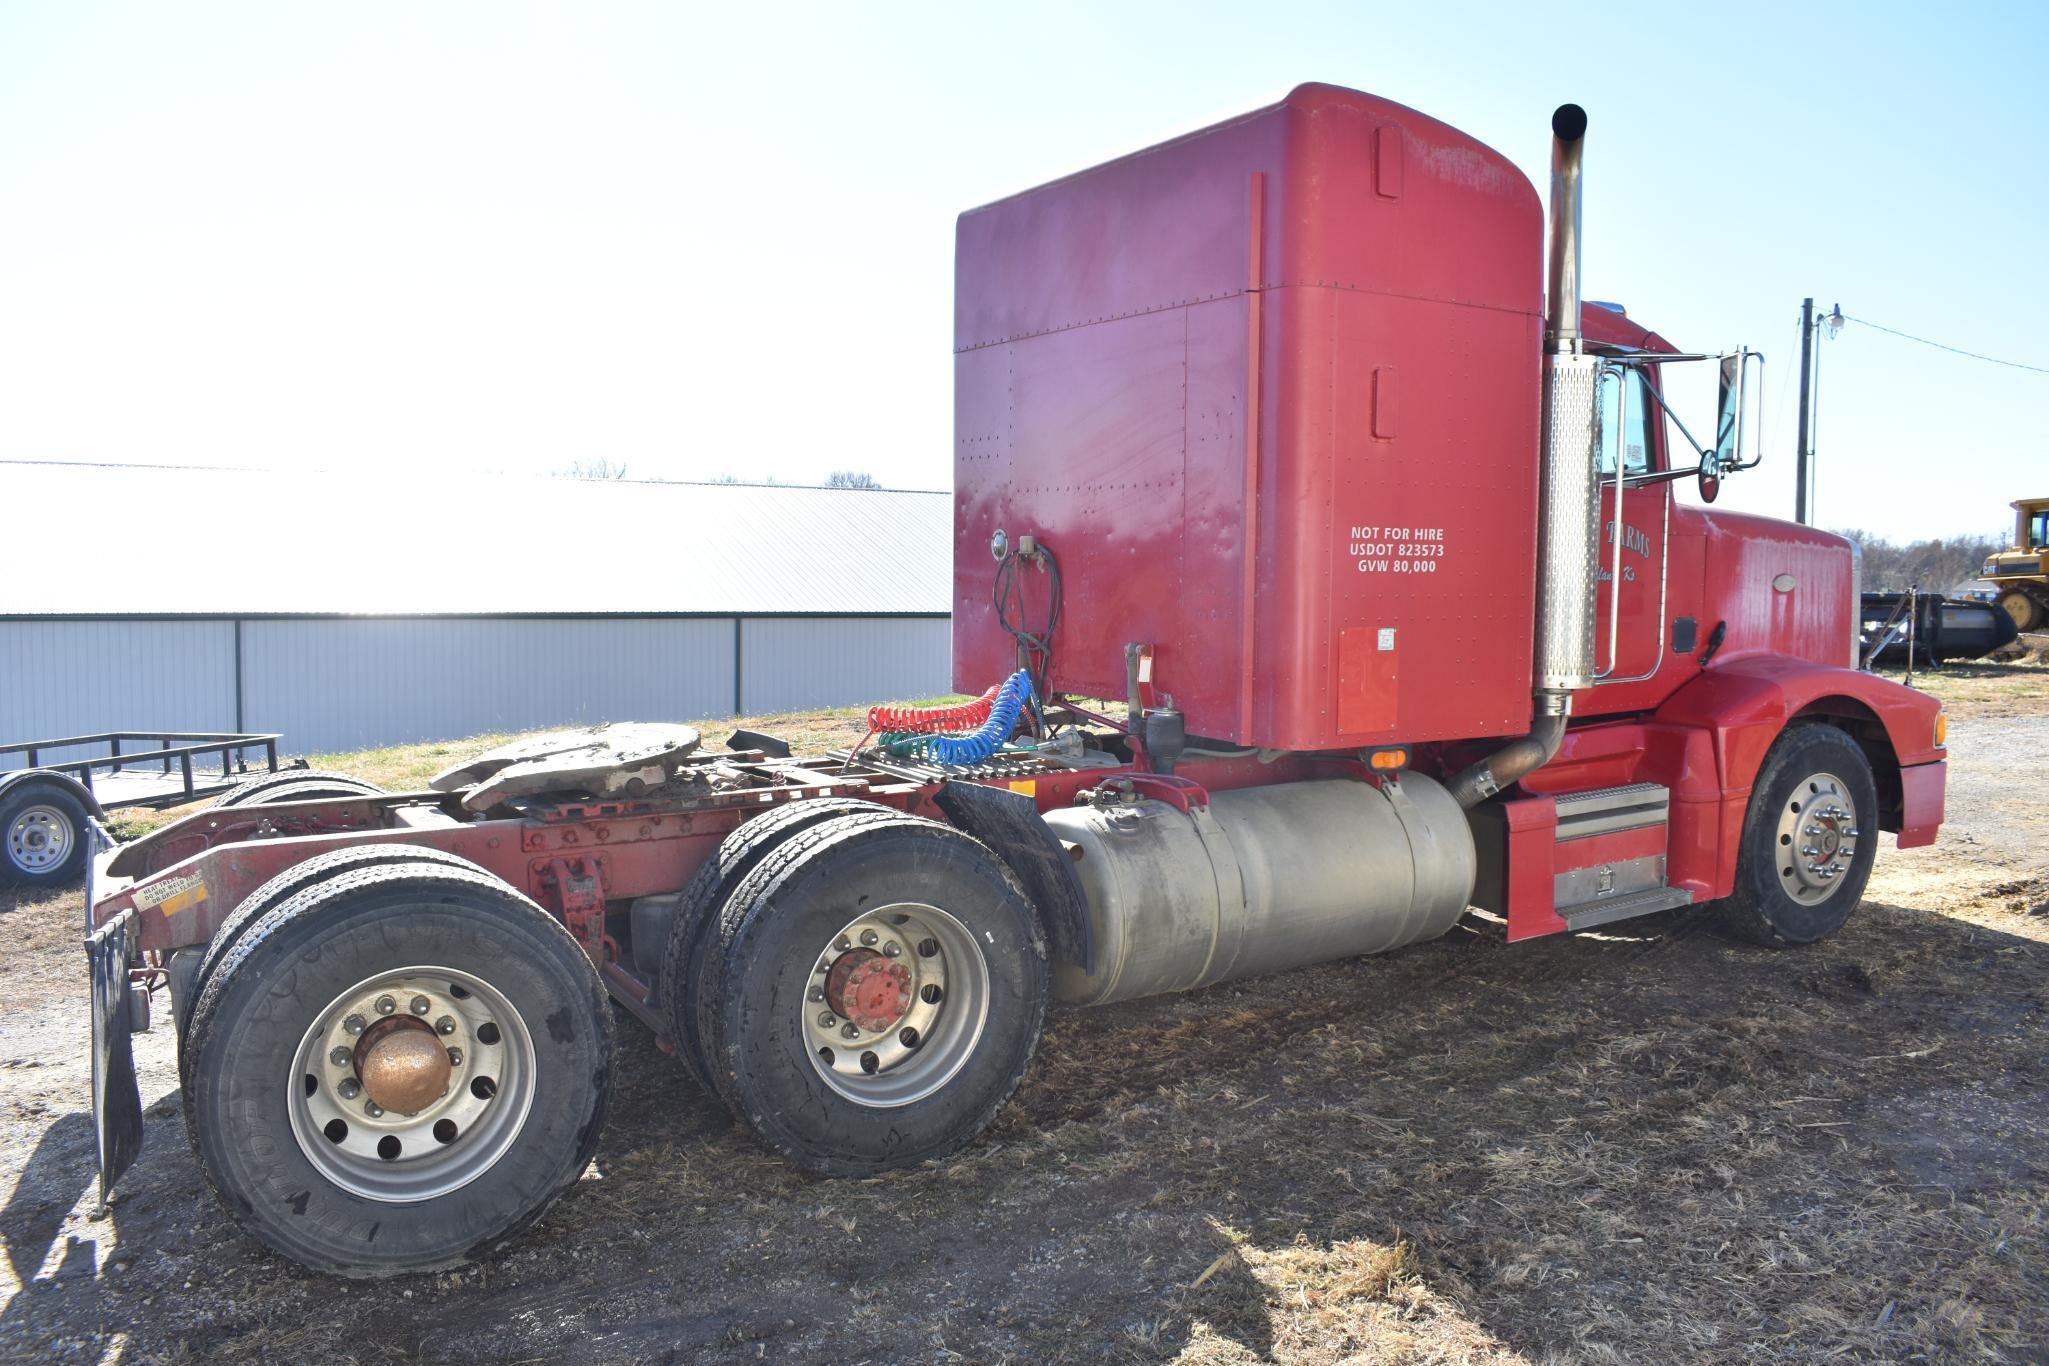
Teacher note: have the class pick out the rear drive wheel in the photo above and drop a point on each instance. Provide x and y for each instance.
(42, 835)
(290, 882)
(1809, 839)
(296, 785)
(707, 894)
(880, 991)
(397, 1068)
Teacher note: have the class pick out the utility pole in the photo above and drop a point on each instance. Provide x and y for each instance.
(1806, 371)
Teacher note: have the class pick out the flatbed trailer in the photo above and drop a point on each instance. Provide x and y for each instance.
(45, 803)
(1267, 433)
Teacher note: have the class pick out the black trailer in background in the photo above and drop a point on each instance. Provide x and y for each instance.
(50, 790)
(1918, 629)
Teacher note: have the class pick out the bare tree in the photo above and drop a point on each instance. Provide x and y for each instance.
(599, 468)
(851, 479)
(1937, 565)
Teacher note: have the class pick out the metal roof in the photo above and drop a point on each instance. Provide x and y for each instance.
(100, 540)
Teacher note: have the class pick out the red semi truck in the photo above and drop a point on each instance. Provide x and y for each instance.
(1288, 436)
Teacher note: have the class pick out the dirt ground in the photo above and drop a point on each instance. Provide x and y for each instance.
(1651, 1144)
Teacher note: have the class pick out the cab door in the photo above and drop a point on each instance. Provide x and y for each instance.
(1629, 614)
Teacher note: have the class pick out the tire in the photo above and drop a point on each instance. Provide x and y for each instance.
(896, 1102)
(530, 1085)
(706, 895)
(42, 835)
(295, 785)
(1779, 900)
(290, 882)
(2022, 607)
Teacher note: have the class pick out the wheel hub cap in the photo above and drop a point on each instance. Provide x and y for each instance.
(411, 1084)
(895, 1004)
(39, 839)
(869, 989)
(403, 1065)
(1817, 838)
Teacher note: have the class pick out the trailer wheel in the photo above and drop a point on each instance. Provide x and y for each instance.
(1806, 853)
(296, 785)
(880, 992)
(397, 1068)
(291, 882)
(707, 893)
(42, 835)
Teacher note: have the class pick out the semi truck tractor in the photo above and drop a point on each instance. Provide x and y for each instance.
(1319, 581)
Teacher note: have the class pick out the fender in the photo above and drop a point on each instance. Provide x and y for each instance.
(1009, 823)
(1745, 703)
(13, 778)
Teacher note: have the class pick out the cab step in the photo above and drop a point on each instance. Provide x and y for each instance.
(1626, 906)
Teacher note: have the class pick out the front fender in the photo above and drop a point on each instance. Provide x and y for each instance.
(1746, 703)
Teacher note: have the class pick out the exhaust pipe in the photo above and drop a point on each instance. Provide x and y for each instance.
(1568, 509)
(1561, 267)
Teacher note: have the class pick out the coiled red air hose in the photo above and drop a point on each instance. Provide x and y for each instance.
(933, 720)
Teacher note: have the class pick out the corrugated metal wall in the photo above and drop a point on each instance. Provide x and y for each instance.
(331, 684)
(76, 677)
(831, 661)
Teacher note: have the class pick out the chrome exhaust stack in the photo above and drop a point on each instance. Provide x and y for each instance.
(1568, 497)
(1569, 509)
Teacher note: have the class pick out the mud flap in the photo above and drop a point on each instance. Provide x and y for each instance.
(116, 1098)
(1009, 823)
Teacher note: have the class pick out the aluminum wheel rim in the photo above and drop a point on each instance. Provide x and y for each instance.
(451, 1141)
(38, 839)
(1817, 839)
(927, 1045)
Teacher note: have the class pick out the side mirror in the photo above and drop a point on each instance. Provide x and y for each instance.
(1728, 448)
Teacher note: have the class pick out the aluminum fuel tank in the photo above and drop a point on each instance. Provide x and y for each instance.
(1261, 879)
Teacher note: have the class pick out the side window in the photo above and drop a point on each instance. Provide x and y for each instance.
(1639, 419)
(2038, 533)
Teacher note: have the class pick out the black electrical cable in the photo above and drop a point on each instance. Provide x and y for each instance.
(1010, 588)
(1940, 346)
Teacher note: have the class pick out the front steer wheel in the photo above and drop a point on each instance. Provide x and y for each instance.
(396, 1068)
(878, 993)
(1809, 838)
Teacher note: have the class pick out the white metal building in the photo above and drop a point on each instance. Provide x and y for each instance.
(350, 612)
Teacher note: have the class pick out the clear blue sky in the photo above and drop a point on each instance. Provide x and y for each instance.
(709, 239)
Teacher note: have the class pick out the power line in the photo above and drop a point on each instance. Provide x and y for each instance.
(2038, 369)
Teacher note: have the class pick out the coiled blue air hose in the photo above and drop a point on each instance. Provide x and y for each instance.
(961, 751)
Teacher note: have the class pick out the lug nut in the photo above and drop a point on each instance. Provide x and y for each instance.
(850, 1031)
(353, 1025)
(869, 937)
(421, 1005)
(385, 1005)
(455, 1057)
(445, 1025)
(818, 993)
(844, 944)
(373, 1109)
(340, 1057)
(826, 1019)
(350, 1088)
(892, 949)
